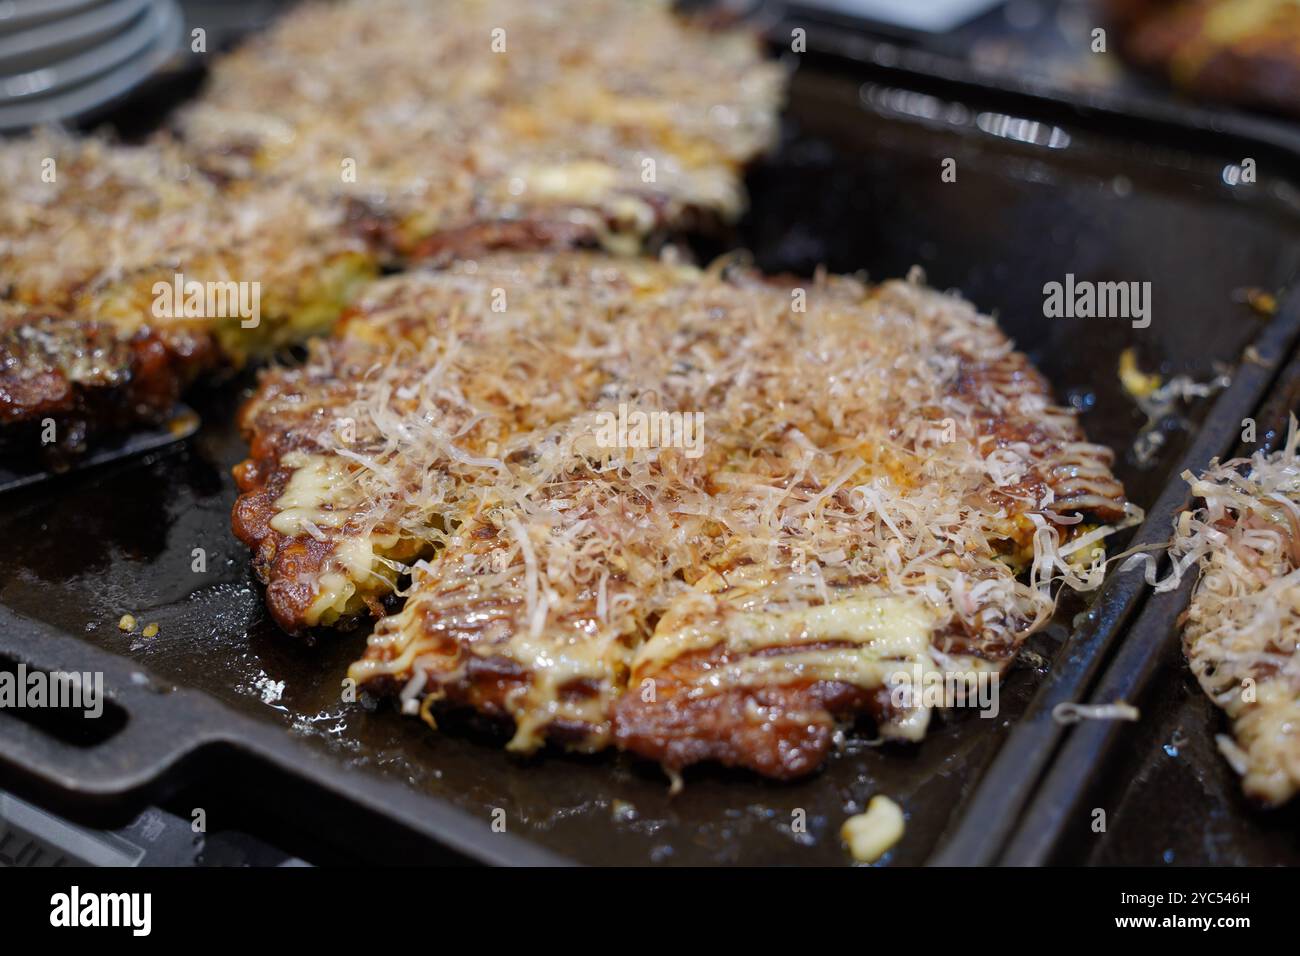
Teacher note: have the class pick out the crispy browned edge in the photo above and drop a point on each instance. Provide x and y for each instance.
(137, 379)
(287, 565)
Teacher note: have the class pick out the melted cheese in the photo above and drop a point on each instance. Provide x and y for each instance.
(887, 629)
(317, 495)
(319, 501)
(584, 182)
(870, 835)
(892, 638)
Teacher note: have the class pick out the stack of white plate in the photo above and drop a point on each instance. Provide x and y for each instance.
(62, 58)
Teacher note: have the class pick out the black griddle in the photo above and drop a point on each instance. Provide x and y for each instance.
(222, 702)
(1168, 795)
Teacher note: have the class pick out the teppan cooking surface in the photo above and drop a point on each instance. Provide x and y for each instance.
(221, 698)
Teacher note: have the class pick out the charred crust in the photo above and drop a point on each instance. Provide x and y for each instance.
(780, 731)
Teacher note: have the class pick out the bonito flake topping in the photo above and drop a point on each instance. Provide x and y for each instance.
(845, 486)
(1242, 632)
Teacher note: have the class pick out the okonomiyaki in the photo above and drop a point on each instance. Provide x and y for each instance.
(1239, 51)
(497, 124)
(128, 273)
(696, 515)
(1242, 629)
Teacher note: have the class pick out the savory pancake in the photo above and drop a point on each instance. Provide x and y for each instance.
(494, 124)
(95, 239)
(1242, 630)
(699, 515)
(360, 455)
(499, 126)
(1238, 51)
